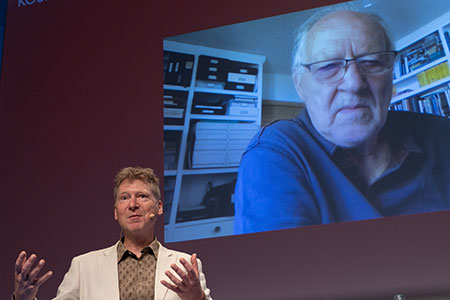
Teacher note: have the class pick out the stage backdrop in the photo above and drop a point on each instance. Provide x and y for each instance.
(81, 97)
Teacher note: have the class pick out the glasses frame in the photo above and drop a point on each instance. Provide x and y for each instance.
(348, 60)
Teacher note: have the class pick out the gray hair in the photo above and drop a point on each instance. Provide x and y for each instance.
(302, 31)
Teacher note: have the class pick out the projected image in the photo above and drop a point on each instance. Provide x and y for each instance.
(353, 126)
(3, 6)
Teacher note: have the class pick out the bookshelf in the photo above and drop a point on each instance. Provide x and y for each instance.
(421, 71)
(212, 108)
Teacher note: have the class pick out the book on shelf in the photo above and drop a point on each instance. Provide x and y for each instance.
(421, 53)
(433, 74)
(447, 37)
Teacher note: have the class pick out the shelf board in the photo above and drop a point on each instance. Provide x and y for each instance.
(173, 127)
(170, 172)
(176, 88)
(223, 118)
(420, 90)
(203, 221)
(225, 92)
(419, 70)
(210, 171)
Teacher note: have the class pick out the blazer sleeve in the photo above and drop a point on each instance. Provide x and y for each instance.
(165, 259)
(69, 289)
(203, 281)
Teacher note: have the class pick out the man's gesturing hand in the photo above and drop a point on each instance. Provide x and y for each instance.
(26, 278)
(188, 288)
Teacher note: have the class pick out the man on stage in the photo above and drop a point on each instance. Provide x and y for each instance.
(134, 267)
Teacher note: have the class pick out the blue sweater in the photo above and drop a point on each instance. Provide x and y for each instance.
(290, 176)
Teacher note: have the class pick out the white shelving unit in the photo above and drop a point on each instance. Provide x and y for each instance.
(407, 85)
(185, 185)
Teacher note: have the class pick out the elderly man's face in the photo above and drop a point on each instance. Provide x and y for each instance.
(350, 111)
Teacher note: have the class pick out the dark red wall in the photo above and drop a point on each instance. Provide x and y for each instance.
(80, 97)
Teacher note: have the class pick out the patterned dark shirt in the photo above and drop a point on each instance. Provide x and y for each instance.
(137, 275)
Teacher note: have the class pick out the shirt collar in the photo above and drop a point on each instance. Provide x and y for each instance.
(399, 133)
(123, 252)
(328, 146)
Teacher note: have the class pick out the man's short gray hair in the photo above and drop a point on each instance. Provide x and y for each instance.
(302, 31)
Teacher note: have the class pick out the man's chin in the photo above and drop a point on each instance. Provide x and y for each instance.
(138, 228)
(134, 228)
(354, 137)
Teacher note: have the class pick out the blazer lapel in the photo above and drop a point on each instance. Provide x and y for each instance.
(107, 264)
(165, 259)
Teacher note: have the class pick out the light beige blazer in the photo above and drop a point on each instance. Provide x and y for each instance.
(94, 276)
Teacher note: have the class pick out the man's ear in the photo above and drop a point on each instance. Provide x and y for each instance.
(296, 78)
(160, 208)
(115, 213)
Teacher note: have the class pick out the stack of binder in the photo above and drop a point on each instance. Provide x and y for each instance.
(242, 106)
(220, 73)
(174, 107)
(220, 145)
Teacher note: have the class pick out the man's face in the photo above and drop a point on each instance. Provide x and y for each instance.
(136, 208)
(351, 111)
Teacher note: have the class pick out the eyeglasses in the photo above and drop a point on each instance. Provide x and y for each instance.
(334, 69)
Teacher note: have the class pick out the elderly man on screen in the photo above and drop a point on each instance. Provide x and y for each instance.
(345, 157)
(133, 268)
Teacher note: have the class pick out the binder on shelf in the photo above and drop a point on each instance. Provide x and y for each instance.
(242, 106)
(241, 76)
(208, 109)
(210, 84)
(211, 68)
(238, 67)
(178, 68)
(239, 86)
(210, 104)
(242, 111)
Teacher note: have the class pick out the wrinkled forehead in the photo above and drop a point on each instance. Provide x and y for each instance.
(343, 34)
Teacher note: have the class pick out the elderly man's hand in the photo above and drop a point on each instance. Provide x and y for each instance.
(188, 288)
(26, 278)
